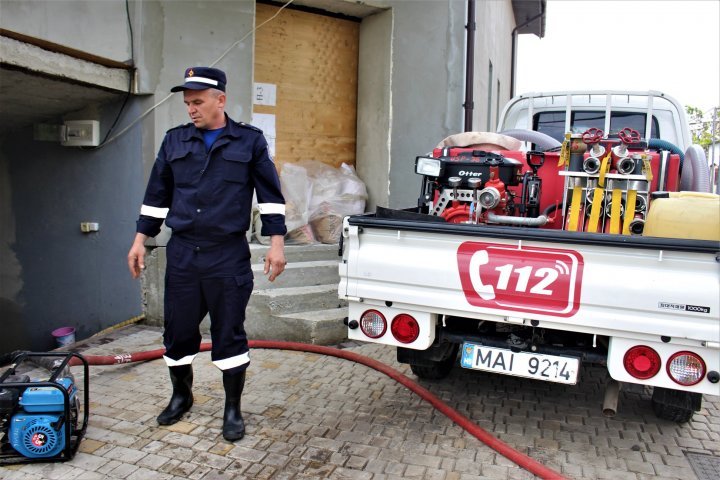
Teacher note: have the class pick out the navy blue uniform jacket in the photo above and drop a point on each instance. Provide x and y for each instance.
(206, 197)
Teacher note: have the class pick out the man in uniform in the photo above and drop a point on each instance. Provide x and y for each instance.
(202, 187)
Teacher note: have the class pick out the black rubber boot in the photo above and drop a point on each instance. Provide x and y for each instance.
(233, 423)
(181, 378)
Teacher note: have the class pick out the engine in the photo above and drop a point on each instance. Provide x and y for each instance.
(593, 183)
(39, 418)
(462, 180)
(33, 419)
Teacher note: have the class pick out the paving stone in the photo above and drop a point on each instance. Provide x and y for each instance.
(572, 471)
(615, 475)
(468, 466)
(123, 470)
(108, 467)
(152, 461)
(88, 462)
(275, 460)
(422, 460)
(675, 472)
(675, 451)
(356, 463)
(147, 474)
(219, 475)
(248, 454)
(349, 474)
(123, 454)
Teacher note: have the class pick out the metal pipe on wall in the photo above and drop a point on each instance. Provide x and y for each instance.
(469, 66)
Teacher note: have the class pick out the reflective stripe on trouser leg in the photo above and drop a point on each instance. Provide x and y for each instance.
(185, 306)
(186, 360)
(227, 298)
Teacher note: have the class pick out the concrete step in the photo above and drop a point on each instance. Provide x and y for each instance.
(298, 253)
(299, 274)
(302, 304)
(319, 327)
(277, 301)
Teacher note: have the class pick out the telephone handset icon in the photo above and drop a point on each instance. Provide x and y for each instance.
(479, 258)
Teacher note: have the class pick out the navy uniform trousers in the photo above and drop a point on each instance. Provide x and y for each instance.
(216, 279)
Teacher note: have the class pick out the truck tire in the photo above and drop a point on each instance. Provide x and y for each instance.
(435, 369)
(675, 405)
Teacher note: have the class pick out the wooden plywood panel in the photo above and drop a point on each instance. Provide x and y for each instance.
(312, 59)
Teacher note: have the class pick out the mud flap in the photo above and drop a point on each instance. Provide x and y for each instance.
(426, 358)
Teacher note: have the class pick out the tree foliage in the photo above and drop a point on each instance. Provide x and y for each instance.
(701, 126)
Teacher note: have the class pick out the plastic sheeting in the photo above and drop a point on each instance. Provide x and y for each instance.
(317, 198)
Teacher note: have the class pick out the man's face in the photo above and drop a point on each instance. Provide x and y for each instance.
(206, 108)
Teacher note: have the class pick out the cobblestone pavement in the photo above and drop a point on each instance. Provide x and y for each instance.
(310, 416)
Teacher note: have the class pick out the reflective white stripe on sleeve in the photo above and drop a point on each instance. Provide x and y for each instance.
(266, 208)
(209, 81)
(232, 362)
(186, 360)
(156, 212)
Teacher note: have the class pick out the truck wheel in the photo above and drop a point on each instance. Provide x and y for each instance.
(435, 370)
(675, 405)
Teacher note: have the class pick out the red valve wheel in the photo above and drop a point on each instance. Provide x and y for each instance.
(592, 135)
(628, 135)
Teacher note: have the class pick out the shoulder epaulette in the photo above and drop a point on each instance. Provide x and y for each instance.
(189, 124)
(251, 127)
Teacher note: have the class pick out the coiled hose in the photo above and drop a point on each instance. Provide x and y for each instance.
(520, 459)
(700, 179)
(665, 145)
(695, 174)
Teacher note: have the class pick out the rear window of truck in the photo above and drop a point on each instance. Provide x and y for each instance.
(553, 123)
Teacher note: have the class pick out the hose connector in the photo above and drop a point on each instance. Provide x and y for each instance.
(591, 165)
(625, 166)
(636, 227)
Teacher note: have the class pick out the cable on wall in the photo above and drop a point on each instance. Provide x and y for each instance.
(228, 50)
(131, 74)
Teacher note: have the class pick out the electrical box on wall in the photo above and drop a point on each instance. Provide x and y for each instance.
(81, 133)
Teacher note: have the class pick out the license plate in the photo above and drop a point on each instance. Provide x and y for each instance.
(550, 368)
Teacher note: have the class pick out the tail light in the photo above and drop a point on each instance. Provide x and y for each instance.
(373, 324)
(405, 328)
(642, 362)
(686, 368)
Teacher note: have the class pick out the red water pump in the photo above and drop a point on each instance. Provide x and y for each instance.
(492, 198)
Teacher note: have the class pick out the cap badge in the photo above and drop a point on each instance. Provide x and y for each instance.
(190, 73)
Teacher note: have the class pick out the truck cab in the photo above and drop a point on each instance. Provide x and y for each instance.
(556, 113)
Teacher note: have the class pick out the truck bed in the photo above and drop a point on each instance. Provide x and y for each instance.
(594, 283)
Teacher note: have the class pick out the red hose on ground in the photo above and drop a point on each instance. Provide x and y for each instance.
(520, 459)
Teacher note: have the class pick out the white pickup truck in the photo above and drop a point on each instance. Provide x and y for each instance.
(575, 247)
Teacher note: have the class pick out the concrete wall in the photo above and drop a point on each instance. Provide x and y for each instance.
(373, 110)
(427, 87)
(493, 43)
(410, 92)
(96, 27)
(51, 274)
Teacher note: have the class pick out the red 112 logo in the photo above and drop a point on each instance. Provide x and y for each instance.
(527, 279)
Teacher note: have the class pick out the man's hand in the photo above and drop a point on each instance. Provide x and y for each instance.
(275, 258)
(136, 256)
